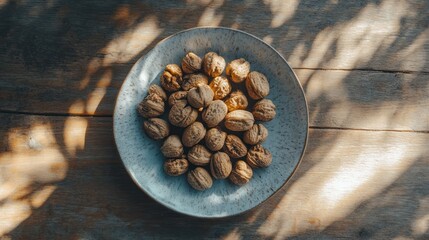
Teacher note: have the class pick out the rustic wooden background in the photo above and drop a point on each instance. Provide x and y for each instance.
(364, 66)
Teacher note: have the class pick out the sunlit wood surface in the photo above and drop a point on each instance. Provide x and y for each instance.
(364, 66)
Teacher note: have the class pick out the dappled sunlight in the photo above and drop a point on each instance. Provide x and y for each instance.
(124, 47)
(296, 57)
(402, 238)
(323, 83)
(352, 171)
(420, 225)
(282, 11)
(3, 3)
(374, 28)
(354, 43)
(415, 51)
(210, 17)
(124, 16)
(234, 234)
(28, 170)
(366, 100)
(74, 134)
(94, 99)
(268, 39)
(359, 65)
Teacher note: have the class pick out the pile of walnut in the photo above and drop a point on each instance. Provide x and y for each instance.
(211, 125)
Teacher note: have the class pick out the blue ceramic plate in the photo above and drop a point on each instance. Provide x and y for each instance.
(287, 132)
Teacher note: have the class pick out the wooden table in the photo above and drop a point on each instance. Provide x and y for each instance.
(364, 66)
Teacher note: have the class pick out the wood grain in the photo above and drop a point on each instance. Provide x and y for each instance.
(338, 99)
(363, 65)
(75, 63)
(361, 184)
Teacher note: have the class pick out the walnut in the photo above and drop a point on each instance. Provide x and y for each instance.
(239, 120)
(172, 147)
(182, 115)
(238, 70)
(151, 106)
(234, 147)
(156, 128)
(200, 96)
(193, 134)
(176, 167)
(259, 157)
(215, 139)
(264, 110)
(156, 89)
(236, 101)
(177, 96)
(220, 165)
(199, 179)
(213, 64)
(199, 155)
(255, 135)
(193, 80)
(257, 85)
(221, 87)
(171, 78)
(214, 113)
(191, 63)
(241, 173)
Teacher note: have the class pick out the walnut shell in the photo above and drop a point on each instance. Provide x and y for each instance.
(191, 63)
(172, 147)
(151, 106)
(236, 101)
(255, 135)
(264, 110)
(156, 89)
(199, 155)
(156, 128)
(213, 64)
(182, 115)
(200, 96)
(177, 96)
(241, 173)
(221, 87)
(234, 147)
(238, 69)
(199, 179)
(193, 80)
(176, 167)
(220, 165)
(257, 85)
(214, 113)
(215, 139)
(171, 78)
(193, 134)
(259, 157)
(239, 120)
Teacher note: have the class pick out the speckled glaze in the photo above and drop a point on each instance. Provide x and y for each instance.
(287, 132)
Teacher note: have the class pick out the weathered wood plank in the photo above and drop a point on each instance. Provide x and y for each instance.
(344, 99)
(367, 100)
(360, 184)
(58, 58)
(385, 35)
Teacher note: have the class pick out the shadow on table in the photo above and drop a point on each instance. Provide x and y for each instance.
(62, 178)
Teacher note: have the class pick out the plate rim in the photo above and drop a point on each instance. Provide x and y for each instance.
(205, 216)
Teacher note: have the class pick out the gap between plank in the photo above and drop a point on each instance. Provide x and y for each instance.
(362, 69)
(367, 129)
(110, 116)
